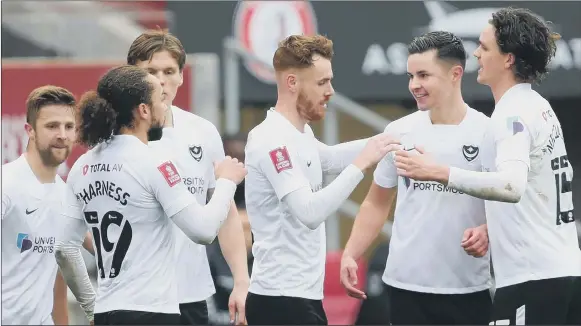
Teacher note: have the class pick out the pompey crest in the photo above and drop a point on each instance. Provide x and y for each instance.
(470, 152)
(196, 152)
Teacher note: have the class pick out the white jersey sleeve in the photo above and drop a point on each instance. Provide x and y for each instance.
(385, 174)
(277, 164)
(199, 223)
(68, 253)
(512, 138)
(166, 185)
(336, 158)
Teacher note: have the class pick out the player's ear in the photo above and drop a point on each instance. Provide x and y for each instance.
(143, 111)
(29, 130)
(457, 72)
(292, 82)
(509, 60)
(181, 78)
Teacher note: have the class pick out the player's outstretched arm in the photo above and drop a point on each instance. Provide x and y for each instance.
(506, 184)
(68, 254)
(200, 223)
(313, 208)
(368, 223)
(336, 158)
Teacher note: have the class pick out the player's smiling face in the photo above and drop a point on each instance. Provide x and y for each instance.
(53, 133)
(431, 80)
(165, 68)
(315, 89)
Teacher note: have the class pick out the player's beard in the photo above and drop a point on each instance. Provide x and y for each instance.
(155, 132)
(49, 158)
(308, 109)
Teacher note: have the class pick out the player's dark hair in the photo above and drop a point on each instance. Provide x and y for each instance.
(156, 40)
(104, 112)
(45, 96)
(528, 37)
(448, 46)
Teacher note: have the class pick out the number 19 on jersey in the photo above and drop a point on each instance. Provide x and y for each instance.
(102, 243)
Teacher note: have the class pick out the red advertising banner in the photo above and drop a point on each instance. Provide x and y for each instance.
(19, 79)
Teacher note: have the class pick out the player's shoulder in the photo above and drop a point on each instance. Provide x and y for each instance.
(406, 123)
(12, 173)
(189, 118)
(477, 115)
(269, 131)
(477, 119)
(522, 101)
(81, 165)
(525, 107)
(193, 122)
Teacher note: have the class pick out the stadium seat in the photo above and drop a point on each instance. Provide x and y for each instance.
(339, 307)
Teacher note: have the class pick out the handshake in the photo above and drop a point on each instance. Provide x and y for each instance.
(230, 169)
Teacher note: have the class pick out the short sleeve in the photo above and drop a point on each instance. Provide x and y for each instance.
(512, 138)
(167, 186)
(71, 221)
(72, 207)
(278, 163)
(385, 174)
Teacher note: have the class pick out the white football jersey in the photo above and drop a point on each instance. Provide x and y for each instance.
(289, 258)
(425, 254)
(194, 144)
(28, 237)
(535, 238)
(127, 192)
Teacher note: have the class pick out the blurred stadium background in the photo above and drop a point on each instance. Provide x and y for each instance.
(228, 80)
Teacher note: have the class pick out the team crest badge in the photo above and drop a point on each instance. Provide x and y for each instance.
(470, 152)
(196, 152)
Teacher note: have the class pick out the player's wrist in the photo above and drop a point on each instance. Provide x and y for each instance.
(348, 254)
(224, 182)
(484, 227)
(361, 164)
(442, 174)
(242, 282)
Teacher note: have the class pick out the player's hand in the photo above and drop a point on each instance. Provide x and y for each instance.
(237, 305)
(420, 166)
(376, 148)
(475, 241)
(349, 277)
(230, 169)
